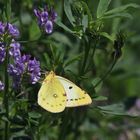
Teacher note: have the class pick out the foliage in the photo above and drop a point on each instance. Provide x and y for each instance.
(95, 45)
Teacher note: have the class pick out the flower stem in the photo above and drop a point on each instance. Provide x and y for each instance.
(6, 78)
(106, 74)
(86, 53)
(6, 94)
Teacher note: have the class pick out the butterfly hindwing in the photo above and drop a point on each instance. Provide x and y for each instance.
(75, 95)
(52, 95)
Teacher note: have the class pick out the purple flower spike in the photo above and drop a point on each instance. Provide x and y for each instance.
(49, 27)
(15, 50)
(34, 78)
(13, 31)
(26, 58)
(16, 69)
(46, 18)
(1, 86)
(2, 54)
(22, 66)
(34, 69)
(2, 28)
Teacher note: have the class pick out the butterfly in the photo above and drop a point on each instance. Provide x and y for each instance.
(57, 93)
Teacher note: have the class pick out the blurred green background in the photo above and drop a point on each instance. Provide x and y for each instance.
(115, 112)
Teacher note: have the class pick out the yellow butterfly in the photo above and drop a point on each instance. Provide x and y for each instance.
(56, 93)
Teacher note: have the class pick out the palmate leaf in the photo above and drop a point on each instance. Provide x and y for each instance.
(102, 7)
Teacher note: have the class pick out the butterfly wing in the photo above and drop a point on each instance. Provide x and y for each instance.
(52, 95)
(75, 95)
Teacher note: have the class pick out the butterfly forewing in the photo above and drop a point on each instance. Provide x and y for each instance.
(75, 95)
(52, 95)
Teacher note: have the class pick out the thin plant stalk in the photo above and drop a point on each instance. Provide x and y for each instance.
(6, 78)
(107, 73)
(6, 95)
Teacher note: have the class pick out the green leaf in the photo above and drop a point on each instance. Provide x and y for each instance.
(19, 134)
(118, 15)
(34, 114)
(114, 109)
(95, 81)
(102, 7)
(60, 38)
(34, 31)
(100, 98)
(85, 22)
(121, 9)
(67, 9)
(105, 34)
(47, 61)
(59, 23)
(85, 6)
(72, 60)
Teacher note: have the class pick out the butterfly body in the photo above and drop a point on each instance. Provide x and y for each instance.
(57, 92)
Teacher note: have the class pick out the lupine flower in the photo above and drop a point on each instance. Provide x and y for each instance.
(2, 53)
(46, 19)
(25, 65)
(34, 70)
(13, 30)
(1, 86)
(20, 65)
(8, 28)
(48, 26)
(15, 50)
(2, 28)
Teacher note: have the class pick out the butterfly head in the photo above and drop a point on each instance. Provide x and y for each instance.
(50, 76)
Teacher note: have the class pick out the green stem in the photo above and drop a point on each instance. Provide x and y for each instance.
(106, 74)
(6, 78)
(6, 95)
(64, 127)
(90, 59)
(86, 51)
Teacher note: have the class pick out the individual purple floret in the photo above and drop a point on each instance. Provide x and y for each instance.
(2, 28)
(2, 53)
(34, 70)
(1, 86)
(13, 30)
(9, 29)
(46, 19)
(49, 26)
(15, 50)
(16, 69)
